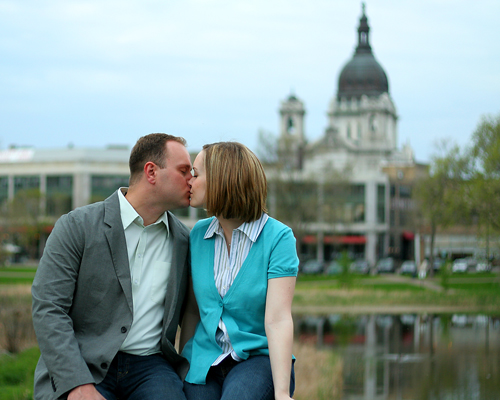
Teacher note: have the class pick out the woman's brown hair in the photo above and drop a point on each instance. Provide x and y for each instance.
(236, 184)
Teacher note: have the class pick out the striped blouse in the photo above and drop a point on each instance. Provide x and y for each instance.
(226, 267)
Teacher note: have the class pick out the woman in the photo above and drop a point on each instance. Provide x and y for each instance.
(244, 265)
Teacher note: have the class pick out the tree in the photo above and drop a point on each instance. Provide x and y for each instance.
(25, 220)
(440, 195)
(304, 202)
(483, 185)
(291, 199)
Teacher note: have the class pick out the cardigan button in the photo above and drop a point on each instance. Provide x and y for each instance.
(220, 304)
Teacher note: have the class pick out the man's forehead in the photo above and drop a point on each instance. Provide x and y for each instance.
(178, 151)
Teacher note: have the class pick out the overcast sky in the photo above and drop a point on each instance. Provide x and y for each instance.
(99, 72)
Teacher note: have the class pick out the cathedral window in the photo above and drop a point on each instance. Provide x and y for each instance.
(373, 123)
(290, 126)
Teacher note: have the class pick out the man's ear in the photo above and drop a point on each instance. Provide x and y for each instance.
(150, 172)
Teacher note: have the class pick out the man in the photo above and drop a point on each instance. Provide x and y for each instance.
(108, 293)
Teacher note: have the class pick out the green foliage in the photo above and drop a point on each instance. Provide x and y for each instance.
(24, 219)
(483, 185)
(438, 193)
(444, 275)
(486, 147)
(346, 277)
(16, 374)
(443, 197)
(345, 329)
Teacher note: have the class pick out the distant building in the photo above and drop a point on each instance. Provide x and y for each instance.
(60, 179)
(347, 173)
(70, 177)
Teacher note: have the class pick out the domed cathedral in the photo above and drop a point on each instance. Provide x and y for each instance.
(362, 114)
(351, 164)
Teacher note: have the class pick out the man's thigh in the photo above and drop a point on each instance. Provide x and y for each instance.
(148, 378)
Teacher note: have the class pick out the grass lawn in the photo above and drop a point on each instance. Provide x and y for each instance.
(16, 374)
(17, 275)
(471, 292)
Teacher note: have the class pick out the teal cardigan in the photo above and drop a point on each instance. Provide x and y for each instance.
(242, 309)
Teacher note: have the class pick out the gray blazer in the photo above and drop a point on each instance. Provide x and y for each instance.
(82, 298)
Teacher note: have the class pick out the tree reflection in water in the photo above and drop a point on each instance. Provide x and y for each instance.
(424, 357)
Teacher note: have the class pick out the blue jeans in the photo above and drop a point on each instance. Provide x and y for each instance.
(246, 380)
(133, 377)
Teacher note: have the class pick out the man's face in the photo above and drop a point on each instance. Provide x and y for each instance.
(173, 180)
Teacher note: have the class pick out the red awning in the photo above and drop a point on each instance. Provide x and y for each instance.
(353, 239)
(347, 239)
(309, 239)
(407, 235)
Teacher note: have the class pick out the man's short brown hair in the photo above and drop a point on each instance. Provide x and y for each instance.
(152, 148)
(236, 185)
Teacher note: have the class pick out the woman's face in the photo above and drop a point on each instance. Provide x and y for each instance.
(198, 182)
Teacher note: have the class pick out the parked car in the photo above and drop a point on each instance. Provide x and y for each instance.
(471, 263)
(360, 267)
(460, 265)
(10, 253)
(386, 265)
(408, 267)
(313, 267)
(483, 266)
(333, 268)
(438, 263)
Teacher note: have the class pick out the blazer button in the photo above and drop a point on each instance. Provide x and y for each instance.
(104, 366)
(124, 330)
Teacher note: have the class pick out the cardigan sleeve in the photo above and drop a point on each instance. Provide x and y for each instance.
(283, 260)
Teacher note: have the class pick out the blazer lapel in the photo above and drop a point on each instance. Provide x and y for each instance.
(117, 245)
(179, 254)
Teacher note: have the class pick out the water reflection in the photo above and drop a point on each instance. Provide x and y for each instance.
(420, 357)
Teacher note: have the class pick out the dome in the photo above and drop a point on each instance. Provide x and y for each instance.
(362, 75)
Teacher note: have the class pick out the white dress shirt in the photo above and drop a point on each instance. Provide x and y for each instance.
(150, 256)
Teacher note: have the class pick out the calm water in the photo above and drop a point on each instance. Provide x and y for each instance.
(417, 357)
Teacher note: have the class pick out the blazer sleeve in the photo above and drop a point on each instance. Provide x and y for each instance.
(52, 296)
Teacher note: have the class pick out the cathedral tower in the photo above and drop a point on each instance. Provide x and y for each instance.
(362, 113)
(292, 139)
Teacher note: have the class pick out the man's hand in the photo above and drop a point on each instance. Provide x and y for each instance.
(85, 392)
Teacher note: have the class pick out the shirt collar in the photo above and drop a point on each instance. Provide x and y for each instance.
(250, 229)
(130, 216)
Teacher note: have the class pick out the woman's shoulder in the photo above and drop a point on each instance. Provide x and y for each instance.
(202, 224)
(278, 226)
